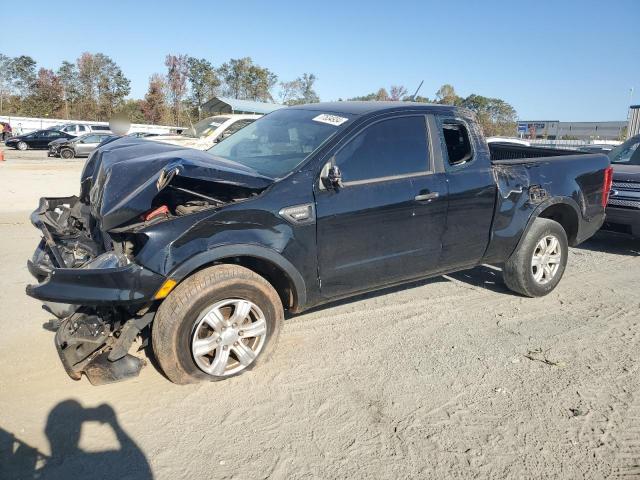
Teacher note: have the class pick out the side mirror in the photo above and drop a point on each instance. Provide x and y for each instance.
(332, 180)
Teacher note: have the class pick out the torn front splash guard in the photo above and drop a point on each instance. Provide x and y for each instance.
(82, 342)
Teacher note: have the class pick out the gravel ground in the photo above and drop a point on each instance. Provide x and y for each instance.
(453, 377)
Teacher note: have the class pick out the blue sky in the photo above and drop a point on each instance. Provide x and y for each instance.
(563, 59)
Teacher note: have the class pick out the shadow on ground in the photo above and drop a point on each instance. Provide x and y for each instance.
(609, 242)
(19, 460)
(484, 276)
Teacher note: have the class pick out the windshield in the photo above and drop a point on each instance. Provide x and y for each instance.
(204, 127)
(277, 143)
(628, 153)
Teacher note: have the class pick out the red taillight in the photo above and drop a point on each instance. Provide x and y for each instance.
(163, 210)
(606, 185)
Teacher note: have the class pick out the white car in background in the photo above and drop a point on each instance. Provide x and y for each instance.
(207, 132)
(516, 141)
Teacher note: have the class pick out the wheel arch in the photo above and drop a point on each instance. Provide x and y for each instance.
(271, 265)
(566, 216)
(563, 210)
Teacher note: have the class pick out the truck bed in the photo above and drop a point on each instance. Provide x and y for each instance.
(505, 154)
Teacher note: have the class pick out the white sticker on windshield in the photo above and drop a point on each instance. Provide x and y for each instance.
(334, 120)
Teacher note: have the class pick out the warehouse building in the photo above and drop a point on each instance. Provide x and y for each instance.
(557, 130)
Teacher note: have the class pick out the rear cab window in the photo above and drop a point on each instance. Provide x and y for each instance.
(456, 139)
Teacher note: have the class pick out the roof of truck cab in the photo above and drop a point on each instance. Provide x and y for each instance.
(364, 107)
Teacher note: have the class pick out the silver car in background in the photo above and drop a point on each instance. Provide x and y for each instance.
(81, 146)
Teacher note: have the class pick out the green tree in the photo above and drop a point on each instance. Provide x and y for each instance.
(112, 86)
(446, 95)
(23, 73)
(6, 76)
(289, 92)
(299, 91)
(68, 75)
(154, 105)
(203, 80)
(397, 93)
(132, 110)
(381, 96)
(46, 97)
(495, 116)
(307, 82)
(245, 80)
(177, 71)
(101, 86)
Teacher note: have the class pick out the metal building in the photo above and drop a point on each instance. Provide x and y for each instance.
(556, 130)
(634, 121)
(233, 105)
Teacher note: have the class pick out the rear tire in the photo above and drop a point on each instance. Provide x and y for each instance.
(67, 154)
(186, 320)
(538, 264)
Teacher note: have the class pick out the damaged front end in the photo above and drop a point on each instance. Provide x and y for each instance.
(100, 297)
(87, 268)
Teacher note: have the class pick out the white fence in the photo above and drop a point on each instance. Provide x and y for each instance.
(572, 143)
(28, 124)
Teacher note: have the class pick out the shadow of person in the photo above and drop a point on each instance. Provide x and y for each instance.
(18, 460)
(67, 460)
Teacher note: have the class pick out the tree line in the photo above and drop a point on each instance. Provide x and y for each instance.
(495, 116)
(94, 87)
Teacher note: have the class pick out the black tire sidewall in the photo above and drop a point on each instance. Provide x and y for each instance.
(538, 231)
(63, 154)
(240, 288)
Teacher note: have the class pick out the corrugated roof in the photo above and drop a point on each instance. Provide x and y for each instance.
(234, 105)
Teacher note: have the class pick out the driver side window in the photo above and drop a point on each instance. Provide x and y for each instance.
(389, 148)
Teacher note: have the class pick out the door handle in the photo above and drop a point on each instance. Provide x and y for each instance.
(426, 197)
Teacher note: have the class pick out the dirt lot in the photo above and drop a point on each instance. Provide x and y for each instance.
(448, 378)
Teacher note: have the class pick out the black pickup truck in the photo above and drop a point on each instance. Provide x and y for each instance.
(200, 253)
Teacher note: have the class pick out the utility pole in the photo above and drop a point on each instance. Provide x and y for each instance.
(413, 97)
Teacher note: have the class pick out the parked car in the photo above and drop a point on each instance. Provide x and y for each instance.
(623, 209)
(516, 141)
(207, 132)
(77, 129)
(306, 205)
(5, 131)
(37, 140)
(597, 148)
(142, 134)
(81, 146)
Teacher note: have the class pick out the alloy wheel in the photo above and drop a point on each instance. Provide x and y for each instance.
(546, 259)
(228, 336)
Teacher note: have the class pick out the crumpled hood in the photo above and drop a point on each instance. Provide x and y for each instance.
(60, 141)
(120, 179)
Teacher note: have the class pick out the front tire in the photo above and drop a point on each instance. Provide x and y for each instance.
(22, 146)
(538, 264)
(218, 323)
(67, 154)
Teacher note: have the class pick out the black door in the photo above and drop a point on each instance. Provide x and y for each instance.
(386, 223)
(41, 139)
(472, 193)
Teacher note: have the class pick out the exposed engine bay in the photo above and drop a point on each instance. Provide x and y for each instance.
(91, 241)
